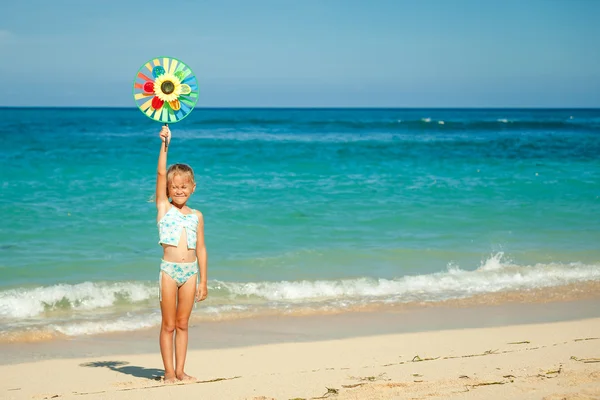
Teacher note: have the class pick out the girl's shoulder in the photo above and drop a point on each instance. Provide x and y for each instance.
(196, 212)
(199, 216)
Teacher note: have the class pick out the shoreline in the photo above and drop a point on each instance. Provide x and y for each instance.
(278, 329)
(49, 332)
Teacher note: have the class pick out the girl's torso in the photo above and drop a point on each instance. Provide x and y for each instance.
(178, 234)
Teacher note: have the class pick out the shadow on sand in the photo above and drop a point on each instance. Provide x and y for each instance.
(124, 368)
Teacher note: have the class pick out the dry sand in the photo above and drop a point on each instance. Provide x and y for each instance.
(553, 361)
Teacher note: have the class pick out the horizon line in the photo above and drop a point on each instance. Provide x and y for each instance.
(327, 107)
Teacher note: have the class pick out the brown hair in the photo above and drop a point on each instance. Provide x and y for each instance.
(179, 169)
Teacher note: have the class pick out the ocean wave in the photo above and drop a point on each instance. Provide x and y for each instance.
(495, 274)
(125, 323)
(31, 302)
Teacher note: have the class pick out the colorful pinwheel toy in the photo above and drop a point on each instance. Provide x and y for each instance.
(165, 89)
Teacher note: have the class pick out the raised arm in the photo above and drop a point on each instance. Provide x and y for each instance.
(162, 200)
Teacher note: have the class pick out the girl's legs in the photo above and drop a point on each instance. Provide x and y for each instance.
(186, 296)
(168, 308)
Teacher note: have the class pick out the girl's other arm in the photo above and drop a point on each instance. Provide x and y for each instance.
(202, 290)
(162, 200)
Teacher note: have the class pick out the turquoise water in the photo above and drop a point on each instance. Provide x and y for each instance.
(307, 209)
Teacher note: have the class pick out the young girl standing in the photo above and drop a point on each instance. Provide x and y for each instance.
(184, 263)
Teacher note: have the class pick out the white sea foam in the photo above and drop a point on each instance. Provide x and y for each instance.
(495, 262)
(504, 120)
(493, 275)
(73, 309)
(22, 303)
(426, 119)
(123, 324)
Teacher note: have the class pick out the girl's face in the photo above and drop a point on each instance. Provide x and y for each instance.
(180, 188)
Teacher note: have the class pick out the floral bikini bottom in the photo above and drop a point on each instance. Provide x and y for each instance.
(179, 272)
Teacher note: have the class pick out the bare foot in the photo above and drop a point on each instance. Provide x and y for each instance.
(186, 378)
(170, 378)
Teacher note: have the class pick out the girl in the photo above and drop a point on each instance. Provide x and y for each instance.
(181, 232)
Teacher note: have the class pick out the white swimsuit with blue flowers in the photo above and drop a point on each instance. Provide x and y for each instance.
(171, 225)
(170, 229)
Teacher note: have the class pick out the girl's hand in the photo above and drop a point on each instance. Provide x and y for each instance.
(201, 292)
(165, 134)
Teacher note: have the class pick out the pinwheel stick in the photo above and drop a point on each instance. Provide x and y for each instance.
(166, 140)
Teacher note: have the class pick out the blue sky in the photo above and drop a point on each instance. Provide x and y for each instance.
(307, 53)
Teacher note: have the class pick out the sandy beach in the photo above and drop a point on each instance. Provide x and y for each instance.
(437, 352)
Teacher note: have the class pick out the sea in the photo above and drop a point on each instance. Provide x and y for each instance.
(307, 211)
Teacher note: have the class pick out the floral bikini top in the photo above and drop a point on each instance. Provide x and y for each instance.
(171, 225)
